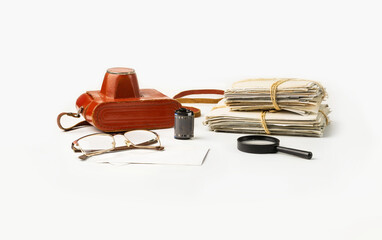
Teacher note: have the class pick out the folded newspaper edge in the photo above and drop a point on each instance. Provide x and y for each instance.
(222, 118)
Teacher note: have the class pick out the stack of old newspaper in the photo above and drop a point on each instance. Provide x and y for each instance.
(282, 106)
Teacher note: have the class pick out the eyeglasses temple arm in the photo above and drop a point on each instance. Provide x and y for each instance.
(74, 147)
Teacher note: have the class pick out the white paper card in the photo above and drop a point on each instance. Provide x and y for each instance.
(179, 152)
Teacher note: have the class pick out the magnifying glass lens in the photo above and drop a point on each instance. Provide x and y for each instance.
(257, 142)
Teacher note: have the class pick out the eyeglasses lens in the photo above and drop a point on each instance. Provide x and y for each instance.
(142, 138)
(96, 143)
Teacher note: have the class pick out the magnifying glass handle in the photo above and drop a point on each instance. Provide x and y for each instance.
(296, 152)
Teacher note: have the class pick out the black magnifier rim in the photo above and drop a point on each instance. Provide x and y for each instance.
(257, 148)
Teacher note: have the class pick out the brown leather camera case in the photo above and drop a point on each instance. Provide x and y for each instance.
(120, 105)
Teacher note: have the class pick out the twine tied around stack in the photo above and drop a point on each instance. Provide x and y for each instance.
(264, 123)
(274, 91)
(273, 95)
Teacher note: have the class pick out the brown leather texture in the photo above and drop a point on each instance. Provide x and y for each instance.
(120, 105)
(153, 110)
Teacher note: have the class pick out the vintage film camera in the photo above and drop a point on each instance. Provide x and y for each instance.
(120, 105)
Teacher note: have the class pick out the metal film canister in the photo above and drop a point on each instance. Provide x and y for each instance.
(184, 124)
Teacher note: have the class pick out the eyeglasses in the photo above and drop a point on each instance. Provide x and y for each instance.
(99, 143)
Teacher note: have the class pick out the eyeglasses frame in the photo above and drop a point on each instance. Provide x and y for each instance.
(129, 145)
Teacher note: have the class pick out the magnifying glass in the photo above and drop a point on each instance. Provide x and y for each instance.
(265, 144)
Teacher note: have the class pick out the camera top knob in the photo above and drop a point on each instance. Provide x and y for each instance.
(121, 71)
(120, 83)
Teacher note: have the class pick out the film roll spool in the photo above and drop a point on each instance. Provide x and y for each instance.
(184, 124)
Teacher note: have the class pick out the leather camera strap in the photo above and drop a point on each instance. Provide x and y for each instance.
(180, 98)
(70, 114)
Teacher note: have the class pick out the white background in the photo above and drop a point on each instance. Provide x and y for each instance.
(51, 52)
